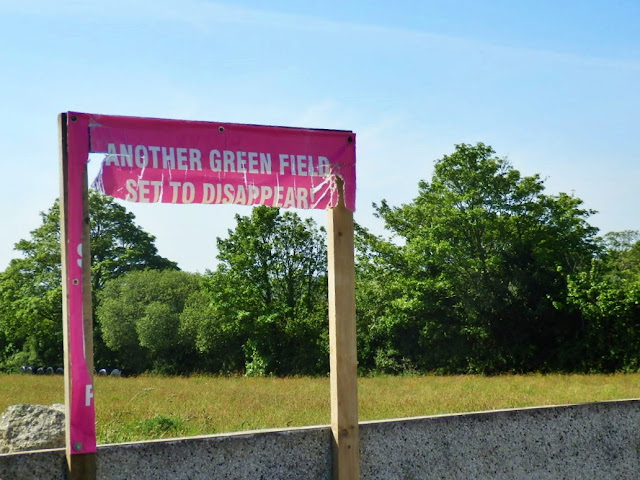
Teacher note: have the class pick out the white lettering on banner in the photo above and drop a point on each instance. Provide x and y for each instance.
(228, 194)
(228, 161)
(303, 165)
(277, 198)
(266, 193)
(175, 186)
(154, 155)
(143, 156)
(168, 158)
(151, 191)
(182, 158)
(188, 192)
(220, 161)
(254, 192)
(132, 193)
(112, 156)
(194, 159)
(79, 250)
(242, 162)
(297, 197)
(241, 197)
(208, 193)
(88, 395)
(126, 155)
(253, 162)
(138, 190)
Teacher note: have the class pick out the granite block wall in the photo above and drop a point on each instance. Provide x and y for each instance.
(588, 441)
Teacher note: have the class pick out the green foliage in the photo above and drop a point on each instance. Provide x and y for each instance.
(267, 300)
(30, 313)
(607, 298)
(30, 287)
(483, 272)
(477, 280)
(216, 332)
(262, 312)
(139, 316)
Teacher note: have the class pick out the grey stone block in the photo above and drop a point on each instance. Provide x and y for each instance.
(31, 427)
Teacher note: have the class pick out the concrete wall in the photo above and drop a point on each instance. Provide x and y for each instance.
(597, 441)
(590, 441)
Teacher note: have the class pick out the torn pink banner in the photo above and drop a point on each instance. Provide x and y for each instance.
(172, 161)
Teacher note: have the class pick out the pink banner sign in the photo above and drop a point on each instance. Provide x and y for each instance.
(172, 161)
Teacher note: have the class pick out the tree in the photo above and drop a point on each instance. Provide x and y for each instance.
(30, 287)
(479, 273)
(607, 297)
(621, 254)
(139, 316)
(268, 296)
(216, 331)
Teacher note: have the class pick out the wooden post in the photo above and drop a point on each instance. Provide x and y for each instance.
(81, 466)
(342, 342)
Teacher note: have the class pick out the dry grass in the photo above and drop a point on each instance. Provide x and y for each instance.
(157, 407)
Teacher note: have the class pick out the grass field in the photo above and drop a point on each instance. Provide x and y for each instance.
(158, 407)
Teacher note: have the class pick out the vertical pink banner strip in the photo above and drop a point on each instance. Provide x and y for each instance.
(83, 426)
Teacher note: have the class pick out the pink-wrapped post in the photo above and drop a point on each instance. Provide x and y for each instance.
(76, 295)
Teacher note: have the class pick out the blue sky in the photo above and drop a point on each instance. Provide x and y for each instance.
(553, 86)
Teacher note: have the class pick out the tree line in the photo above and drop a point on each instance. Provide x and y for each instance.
(483, 272)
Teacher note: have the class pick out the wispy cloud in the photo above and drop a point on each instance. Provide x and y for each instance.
(204, 15)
